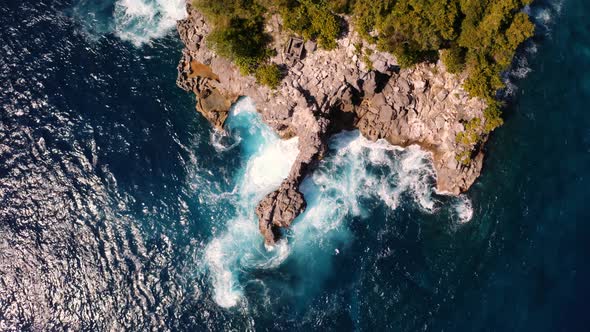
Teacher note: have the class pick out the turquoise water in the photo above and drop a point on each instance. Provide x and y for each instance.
(121, 208)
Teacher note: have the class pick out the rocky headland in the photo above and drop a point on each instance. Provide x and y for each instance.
(324, 92)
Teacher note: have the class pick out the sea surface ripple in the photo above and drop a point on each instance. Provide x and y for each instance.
(122, 209)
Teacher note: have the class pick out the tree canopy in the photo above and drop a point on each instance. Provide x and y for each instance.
(478, 37)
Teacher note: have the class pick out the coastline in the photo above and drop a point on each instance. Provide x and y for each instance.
(325, 92)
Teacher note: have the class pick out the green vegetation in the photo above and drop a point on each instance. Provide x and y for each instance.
(238, 31)
(493, 116)
(477, 37)
(269, 75)
(312, 19)
(454, 58)
(464, 157)
(470, 135)
(367, 58)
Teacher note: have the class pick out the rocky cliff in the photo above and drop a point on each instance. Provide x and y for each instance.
(324, 92)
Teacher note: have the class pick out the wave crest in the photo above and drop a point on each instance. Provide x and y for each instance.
(140, 21)
(356, 171)
(136, 21)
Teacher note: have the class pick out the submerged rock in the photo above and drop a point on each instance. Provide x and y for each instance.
(328, 91)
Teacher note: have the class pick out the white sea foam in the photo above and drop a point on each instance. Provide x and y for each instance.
(361, 169)
(225, 294)
(355, 172)
(141, 21)
(239, 247)
(543, 15)
(222, 141)
(464, 209)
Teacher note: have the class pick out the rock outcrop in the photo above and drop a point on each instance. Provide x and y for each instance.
(328, 91)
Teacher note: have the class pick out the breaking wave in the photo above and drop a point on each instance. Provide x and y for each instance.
(356, 172)
(464, 209)
(136, 21)
(140, 21)
(268, 161)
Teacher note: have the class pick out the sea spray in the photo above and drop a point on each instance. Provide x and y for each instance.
(239, 249)
(464, 209)
(135, 21)
(140, 21)
(354, 172)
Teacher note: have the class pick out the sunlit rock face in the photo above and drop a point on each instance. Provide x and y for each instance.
(325, 92)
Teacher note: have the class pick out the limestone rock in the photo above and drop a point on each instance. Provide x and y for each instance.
(328, 91)
(278, 210)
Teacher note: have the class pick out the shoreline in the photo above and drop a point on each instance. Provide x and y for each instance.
(325, 92)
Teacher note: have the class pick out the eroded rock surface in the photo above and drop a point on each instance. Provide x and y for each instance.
(328, 91)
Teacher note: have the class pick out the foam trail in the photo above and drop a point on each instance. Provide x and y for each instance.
(239, 248)
(141, 21)
(356, 171)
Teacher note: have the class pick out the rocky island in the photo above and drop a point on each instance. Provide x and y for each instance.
(351, 84)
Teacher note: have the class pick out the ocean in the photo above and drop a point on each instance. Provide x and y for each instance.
(121, 208)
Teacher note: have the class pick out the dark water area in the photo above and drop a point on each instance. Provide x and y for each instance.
(121, 208)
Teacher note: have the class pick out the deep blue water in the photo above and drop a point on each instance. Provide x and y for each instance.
(121, 208)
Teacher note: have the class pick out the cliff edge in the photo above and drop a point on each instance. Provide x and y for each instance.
(324, 92)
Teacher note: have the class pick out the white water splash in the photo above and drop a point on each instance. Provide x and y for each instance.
(361, 169)
(543, 15)
(356, 171)
(137, 21)
(222, 141)
(141, 21)
(239, 246)
(464, 210)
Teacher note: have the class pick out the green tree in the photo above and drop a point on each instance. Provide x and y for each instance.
(454, 58)
(269, 75)
(313, 19)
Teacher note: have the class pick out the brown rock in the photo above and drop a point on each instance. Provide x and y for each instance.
(278, 210)
(325, 92)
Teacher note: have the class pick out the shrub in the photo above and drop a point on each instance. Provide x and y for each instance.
(241, 41)
(470, 136)
(339, 6)
(464, 157)
(493, 117)
(238, 33)
(269, 75)
(454, 59)
(313, 19)
(479, 36)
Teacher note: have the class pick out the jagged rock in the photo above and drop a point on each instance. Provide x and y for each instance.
(310, 46)
(328, 91)
(378, 101)
(278, 210)
(370, 84)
